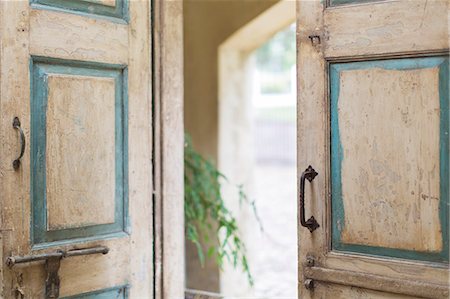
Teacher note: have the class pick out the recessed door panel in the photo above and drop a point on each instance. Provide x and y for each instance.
(389, 157)
(79, 153)
(80, 186)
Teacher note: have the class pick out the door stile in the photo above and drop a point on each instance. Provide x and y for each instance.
(14, 101)
(311, 136)
(140, 150)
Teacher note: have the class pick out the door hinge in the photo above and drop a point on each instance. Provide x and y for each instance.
(308, 282)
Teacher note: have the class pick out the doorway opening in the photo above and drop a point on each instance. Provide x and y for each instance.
(257, 149)
(273, 250)
(240, 111)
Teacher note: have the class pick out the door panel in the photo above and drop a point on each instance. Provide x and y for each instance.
(374, 123)
(82, 193)
(77, 74)
(396, 113)
(77, 38)
(388, 27)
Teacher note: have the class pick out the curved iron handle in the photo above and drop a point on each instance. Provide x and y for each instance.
(311, 223)
(16, 125)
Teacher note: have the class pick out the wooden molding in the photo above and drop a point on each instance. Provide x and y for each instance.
(416, 288)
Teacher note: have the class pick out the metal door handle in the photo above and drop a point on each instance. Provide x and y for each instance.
(52, 264)
(311, 223)
(16, 125)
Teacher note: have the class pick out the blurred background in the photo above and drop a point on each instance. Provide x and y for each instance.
(240, 109)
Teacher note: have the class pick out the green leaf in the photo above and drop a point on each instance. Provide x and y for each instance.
(206, 213)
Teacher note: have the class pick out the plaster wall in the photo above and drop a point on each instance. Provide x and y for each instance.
(207, 24)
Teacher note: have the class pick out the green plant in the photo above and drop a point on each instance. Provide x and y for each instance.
(206, 213)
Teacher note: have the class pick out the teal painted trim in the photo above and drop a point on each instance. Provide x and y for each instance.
(444, 152)
(121, 292)
(124, 117)
(87, 7)
(80, 240)
(338, 213)
(41, 68)
(336, 160)
(344, 2)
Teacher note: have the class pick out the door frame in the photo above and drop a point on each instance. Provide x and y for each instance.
(168, 149)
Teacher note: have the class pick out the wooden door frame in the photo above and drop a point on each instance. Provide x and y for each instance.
(168, 145)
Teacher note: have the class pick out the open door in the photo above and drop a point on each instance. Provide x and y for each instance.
(373, 124)
(76, 203)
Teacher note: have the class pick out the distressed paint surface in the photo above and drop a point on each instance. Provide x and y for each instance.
(74, 37)
(386, 27)
(81, 45)
(79, 190)
(369, 31)
(80, 183)
(389, 153)
(389, 129)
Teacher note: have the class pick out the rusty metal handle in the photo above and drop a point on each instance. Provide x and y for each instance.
(311, 223)
(16, 125)
(13, 260)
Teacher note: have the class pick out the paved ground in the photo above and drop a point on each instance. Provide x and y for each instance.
(273, 253)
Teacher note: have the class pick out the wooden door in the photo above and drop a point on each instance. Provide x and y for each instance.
(373, 122)
(76, 74)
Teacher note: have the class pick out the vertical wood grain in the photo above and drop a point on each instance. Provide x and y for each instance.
(169, 188)
(390, 167)
(140, 152)
(80, 184)
(311, 131)
(14, 101)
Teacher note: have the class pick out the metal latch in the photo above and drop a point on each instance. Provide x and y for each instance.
(52, 264)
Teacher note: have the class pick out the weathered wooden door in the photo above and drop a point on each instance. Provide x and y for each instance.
(76, 74)
(373, 123)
